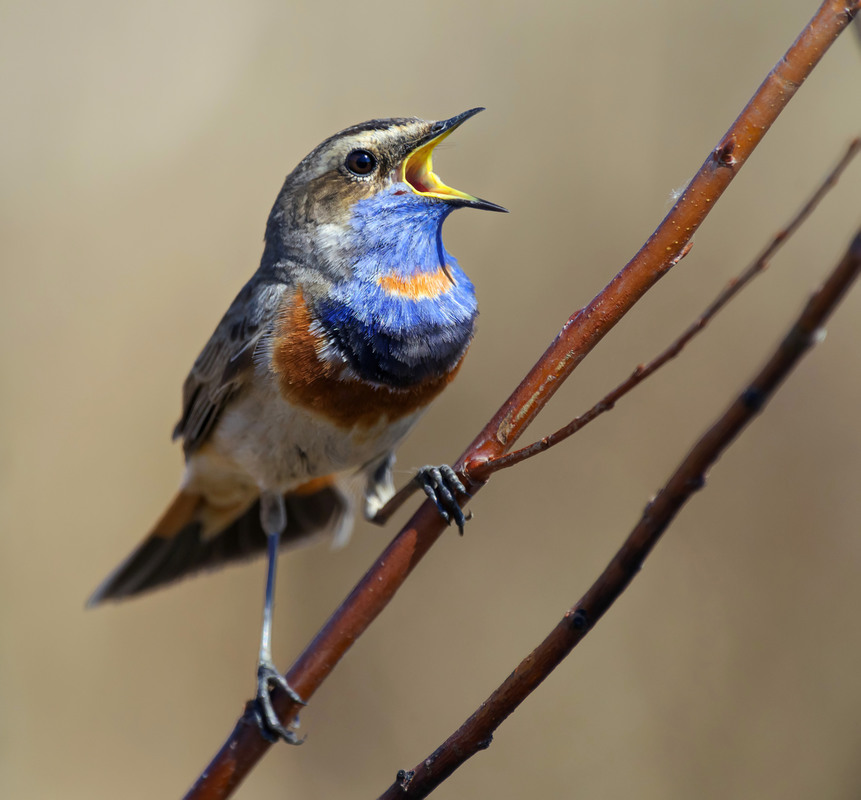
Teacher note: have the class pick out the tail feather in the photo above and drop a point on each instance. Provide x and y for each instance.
(178, 547)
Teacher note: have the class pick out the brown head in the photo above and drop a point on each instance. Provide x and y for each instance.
(356, 164)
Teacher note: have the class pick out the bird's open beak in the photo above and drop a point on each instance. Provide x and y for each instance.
(417, 167)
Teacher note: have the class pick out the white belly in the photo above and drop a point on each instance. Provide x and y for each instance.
(263, 442)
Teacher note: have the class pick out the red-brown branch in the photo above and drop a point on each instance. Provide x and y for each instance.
(245, 746)
(640, 374)
(477, 732)
(583, 330)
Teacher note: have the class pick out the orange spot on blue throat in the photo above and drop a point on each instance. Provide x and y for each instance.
(416, 286)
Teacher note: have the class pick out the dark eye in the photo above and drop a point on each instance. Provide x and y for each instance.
(360, 162)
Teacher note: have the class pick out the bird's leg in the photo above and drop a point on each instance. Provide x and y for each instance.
(273, 518)
(441, 485)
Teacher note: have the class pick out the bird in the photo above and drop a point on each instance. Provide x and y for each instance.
(355, 320)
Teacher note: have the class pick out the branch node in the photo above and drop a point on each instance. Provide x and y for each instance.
(695, 483)
(753, 398)
(404, 777)
(474, 463)
(579, 620)
(723, 153)
(682, 253)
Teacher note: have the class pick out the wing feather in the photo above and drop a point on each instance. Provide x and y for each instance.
(226, 363)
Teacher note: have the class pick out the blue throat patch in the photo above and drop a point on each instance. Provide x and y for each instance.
(389, 331)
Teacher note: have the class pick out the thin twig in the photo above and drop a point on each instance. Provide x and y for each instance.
(477, 732)
(245, 746)
(759, 265)
(395, 502)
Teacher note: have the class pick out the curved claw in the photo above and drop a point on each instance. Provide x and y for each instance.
(267, 720)
(441, 484)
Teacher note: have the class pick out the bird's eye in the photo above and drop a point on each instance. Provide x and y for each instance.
(360, 162)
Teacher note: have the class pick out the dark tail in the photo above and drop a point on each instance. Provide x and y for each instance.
(177, 547)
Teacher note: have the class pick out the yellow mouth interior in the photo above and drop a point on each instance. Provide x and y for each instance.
(417, 171)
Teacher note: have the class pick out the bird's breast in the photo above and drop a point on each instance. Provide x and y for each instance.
(313, 371)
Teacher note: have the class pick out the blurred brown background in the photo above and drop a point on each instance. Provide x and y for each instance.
(142, 146)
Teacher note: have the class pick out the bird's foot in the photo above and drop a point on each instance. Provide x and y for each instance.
(267, 720)
(441, 485)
